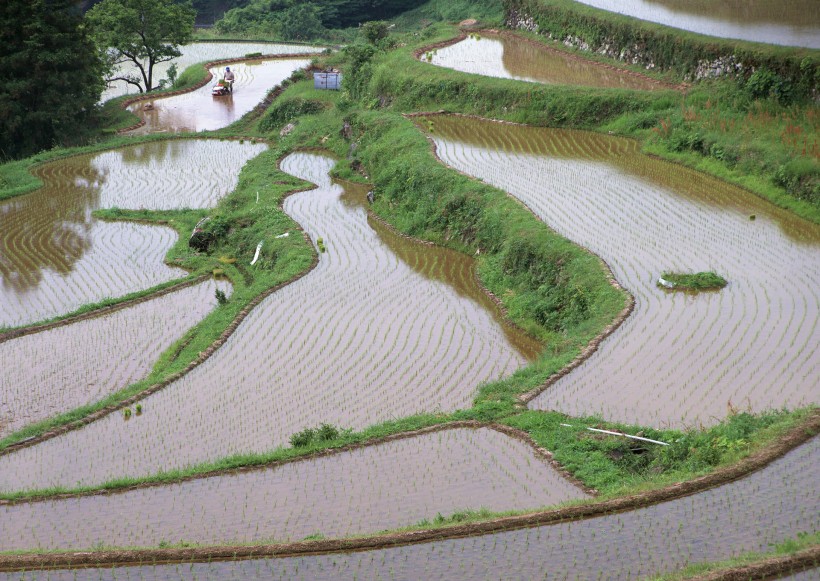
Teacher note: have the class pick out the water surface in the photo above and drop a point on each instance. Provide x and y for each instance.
(765, 508)
(199, 110)
(384, 327)
(362, 491)
(203, 52)
(55, 257)
(786, 22)
(515, 58)
(679, 359)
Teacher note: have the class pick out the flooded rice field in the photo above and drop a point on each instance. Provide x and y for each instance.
(511, 57)
(364, 338)
(767, 507)
(366, 490)
(792, 23)
(55, 257)
(200, 111)
(680, 359)
(54, 371)
(204, 52)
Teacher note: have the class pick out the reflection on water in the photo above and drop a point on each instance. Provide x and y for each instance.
(679, 359)
(516, 58)
(791, 22)
(55, 257)
(203, 52)
(201, 111)
(363, 338)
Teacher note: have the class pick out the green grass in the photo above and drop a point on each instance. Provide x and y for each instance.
(789, 547)
(695, 281)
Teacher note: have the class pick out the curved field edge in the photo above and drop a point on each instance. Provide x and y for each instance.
(295, 257)
(663, 121)
(663, 47)
(790, 557)
(798, 435)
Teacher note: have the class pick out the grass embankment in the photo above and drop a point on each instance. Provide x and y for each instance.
(737, 130)
(239, 224)
(517, 255)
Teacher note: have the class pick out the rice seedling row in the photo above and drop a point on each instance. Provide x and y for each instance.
(769, 506)
(71, 366)
(379, 487)
(203, 52)
(55, 257)
(512, 57)
(200, 111)
(362, 339)
(748, 346)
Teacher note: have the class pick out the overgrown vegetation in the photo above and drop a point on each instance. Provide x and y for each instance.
(696, 281)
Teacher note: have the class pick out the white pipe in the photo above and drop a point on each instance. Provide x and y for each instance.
(623, 435)
(256, 256)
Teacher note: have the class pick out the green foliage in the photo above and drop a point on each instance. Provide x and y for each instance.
(141, 33)
(300, 22)
(486, 11)
(788, 73)
(221, 297)
(359, 70)
(322, 434)
(49, 76)
(283, 111)
(374, 30)
(696, 281)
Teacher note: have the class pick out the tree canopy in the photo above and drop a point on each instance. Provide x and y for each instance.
(268, 15)
(50, 75)
(140, 34)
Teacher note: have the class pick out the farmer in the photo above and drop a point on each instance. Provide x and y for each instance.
(229, 78)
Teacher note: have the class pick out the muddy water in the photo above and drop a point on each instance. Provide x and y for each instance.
(515, 58)
(52, 372)
(363, 491)
(364, 338)
(54, 257)
(201, 111)
(680, 359)
(792, 23)
(203, 52)
(767, 507)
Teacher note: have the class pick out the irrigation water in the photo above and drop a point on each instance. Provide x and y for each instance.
(513, 57)
(199, 110)
(81, 363)
(203, 52)
(679, 359)
(364, 338)
(767, 507)
(793, 23)
(56, 257)
(386, 486)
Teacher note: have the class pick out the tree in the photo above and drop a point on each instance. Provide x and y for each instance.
(375, 30)
(301, 22)
(140, 33)
(50, 75)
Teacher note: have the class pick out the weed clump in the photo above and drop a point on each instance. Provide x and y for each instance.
(324, 433)
(221, 297)
(696, 282)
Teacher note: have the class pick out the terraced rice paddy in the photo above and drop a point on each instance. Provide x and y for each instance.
(204, 52)
(55, 257)
(390, 485)
(364, 338)
(679, 359)
(200, 111)
(792, 23)
(511, 57)
(78, 364)
(769, 506)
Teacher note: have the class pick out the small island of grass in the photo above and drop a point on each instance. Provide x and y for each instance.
(695, 282)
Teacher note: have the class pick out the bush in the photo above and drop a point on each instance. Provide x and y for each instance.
(284, 111)
(374, 31)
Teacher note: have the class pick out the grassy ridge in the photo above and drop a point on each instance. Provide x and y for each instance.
(245, 222)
